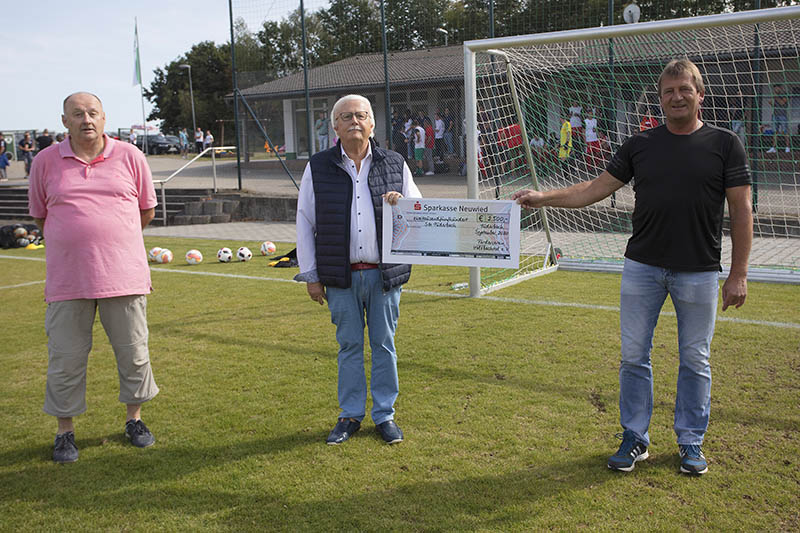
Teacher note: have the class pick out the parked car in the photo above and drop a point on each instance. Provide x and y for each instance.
(176, 142)
(157, 144)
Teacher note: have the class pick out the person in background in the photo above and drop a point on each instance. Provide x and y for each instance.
(321, 128)
(780, 118)
(25, 146)
(419, 145)
(4, 164)
(183, 136)
(198, 140)
(44, 140)
(429, 146)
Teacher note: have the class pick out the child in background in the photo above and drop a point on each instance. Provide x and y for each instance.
(4, 164)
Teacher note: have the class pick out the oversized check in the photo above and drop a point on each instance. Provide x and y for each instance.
(436, 231)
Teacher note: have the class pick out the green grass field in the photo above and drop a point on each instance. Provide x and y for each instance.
(508, 403)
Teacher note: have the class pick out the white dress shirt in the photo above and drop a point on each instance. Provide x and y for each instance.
(363, 236)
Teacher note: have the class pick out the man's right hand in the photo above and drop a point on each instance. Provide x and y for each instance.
(528, 198)
(317, 292)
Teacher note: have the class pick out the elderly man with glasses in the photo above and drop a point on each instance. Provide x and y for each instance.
(339, 220)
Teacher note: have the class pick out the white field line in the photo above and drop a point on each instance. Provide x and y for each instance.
(523, 301)
(22, 284)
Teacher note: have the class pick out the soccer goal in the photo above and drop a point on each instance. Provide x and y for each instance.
(548, 110)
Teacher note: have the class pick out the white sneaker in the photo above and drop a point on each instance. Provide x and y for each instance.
(771, 150)
(429, 173)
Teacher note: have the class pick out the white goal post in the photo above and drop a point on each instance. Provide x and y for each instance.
(520, 91)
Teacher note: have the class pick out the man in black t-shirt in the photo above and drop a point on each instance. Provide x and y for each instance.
(684, 172)
(26, 152)
(44, 140)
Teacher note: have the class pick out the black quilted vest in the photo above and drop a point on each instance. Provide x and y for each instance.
(333, 196)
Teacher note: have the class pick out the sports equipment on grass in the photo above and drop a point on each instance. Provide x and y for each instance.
(152, 255)
(224, 255)
(604, 80)
(194, 257)
(267, 248)
(244, 254)
(164, 256)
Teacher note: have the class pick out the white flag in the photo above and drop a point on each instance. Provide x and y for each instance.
(137, 68)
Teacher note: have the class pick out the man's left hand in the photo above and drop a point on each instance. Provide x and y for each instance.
(734, 291)
(391, 197)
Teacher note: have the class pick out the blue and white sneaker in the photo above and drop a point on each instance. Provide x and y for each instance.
(630, 451)
(692, 459)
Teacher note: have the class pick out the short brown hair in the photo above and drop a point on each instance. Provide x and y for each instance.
(677, 68)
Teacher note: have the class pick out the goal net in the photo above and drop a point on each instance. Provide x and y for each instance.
(546, 111)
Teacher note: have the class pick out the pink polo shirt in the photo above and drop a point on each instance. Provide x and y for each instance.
(92, 227)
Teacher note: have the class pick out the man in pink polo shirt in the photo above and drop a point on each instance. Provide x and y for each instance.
(92, 196)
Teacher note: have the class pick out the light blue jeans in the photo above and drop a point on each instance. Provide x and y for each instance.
(349, 307)
(694, 295)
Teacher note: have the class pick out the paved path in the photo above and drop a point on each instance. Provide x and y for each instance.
(270, 182)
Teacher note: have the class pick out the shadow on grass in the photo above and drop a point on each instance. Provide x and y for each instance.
(161, 482)
(754, 418)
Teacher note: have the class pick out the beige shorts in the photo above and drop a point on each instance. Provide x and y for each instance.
(69, 330)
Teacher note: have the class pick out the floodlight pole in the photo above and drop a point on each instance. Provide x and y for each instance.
(191, 95)
(309, 111)
(386, 95)
(445, 32)
(236, 96)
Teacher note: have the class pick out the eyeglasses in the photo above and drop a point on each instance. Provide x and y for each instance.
(360, 115)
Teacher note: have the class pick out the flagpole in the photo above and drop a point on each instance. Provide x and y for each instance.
(137, 77)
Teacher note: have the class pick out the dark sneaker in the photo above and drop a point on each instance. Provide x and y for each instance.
(64, 450)
(629, 452)
(138, 434)
(692, 459)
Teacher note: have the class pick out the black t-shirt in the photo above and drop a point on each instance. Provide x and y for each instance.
(679, 186)
(44, 141)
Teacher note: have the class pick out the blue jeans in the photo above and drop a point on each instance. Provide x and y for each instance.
(349, 307)
(448, 141)
(694, 295)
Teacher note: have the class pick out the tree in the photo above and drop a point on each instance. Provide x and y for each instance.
(211, 81)
(349, 27)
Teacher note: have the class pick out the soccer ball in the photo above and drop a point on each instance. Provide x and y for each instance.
(267, 248)
(224, 255)
(20, 232)
(164, 256)
(244, 254)
(152, 255)
(22, 242)
(194, 257)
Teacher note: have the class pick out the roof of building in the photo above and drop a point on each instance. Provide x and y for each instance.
(446, 64)
(441, 64)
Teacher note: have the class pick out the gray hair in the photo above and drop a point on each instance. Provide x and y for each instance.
(344, 99)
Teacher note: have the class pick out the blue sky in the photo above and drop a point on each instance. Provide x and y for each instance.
(49, 49)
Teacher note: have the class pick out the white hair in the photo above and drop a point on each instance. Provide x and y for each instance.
(344, 99)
